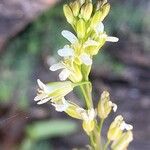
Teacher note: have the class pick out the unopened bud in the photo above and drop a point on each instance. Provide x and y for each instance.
(115, 130)
(74, 110)
(82, 2)
(88, 126)
(88, 120)
(81, 28)
(103, 2)
(105, 11)
(123, 142)
(96, 19)
(68, 14)
(86, 11)
(105, 105)
(100, 4)
(75, 6)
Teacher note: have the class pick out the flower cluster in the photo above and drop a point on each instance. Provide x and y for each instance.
(86, 21)
(75, 65)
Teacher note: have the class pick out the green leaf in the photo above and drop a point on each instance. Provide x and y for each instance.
(46, 129)
(29, 144)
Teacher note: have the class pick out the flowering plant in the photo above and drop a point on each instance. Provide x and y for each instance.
(86, 20)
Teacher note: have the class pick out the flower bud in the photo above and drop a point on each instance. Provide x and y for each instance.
(115, 131)
(82, 2)
(105, 11)
(116, 128)
(68, 14)
(86, 11)
(96, 19)
(88, 116)
(105, 105)
(81, 28)
(74, 110)
(88, 120)
(103, 2)
(75, 6)
(100, 4)
(123, 142)
(88, 126)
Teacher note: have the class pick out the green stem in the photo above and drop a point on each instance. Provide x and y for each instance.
(100, 130)
(87, 97)
(81, 83)
(106, 145)
(101, 125)
(91, 140)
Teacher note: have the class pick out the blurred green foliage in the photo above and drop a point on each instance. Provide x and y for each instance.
(124, 15)
(38, 132)
(53, 128)
(22, 54)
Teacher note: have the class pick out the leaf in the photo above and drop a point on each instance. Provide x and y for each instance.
(29, 144)
(46, 129)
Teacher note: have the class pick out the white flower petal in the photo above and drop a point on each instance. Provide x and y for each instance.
(90, 42)
(112, 39)
(61, 107)
(39, 97)
(57, 66)
(114, 107)
(85, 58)
(65, 52)
(126, 126)
(42, 85)
(69, 36)
(91, 114)
(129, 127)
(100, 28)
(122, 126)
(64, 74)
(43, 101)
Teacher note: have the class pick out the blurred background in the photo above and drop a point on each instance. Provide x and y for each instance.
(30, 35)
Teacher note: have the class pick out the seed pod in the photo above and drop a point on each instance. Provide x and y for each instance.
(68, 14)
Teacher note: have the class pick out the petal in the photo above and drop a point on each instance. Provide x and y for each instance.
(91, 114)
(39, 97)
(128, 127)
(90, 42)
(61, 107)
(65, 52)
(43, 101)
(57, 66)
(114, 107)
(100, 28)
(85, 58)
(112, 39)
(64, 74)
(69, 36)
(41, 84)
